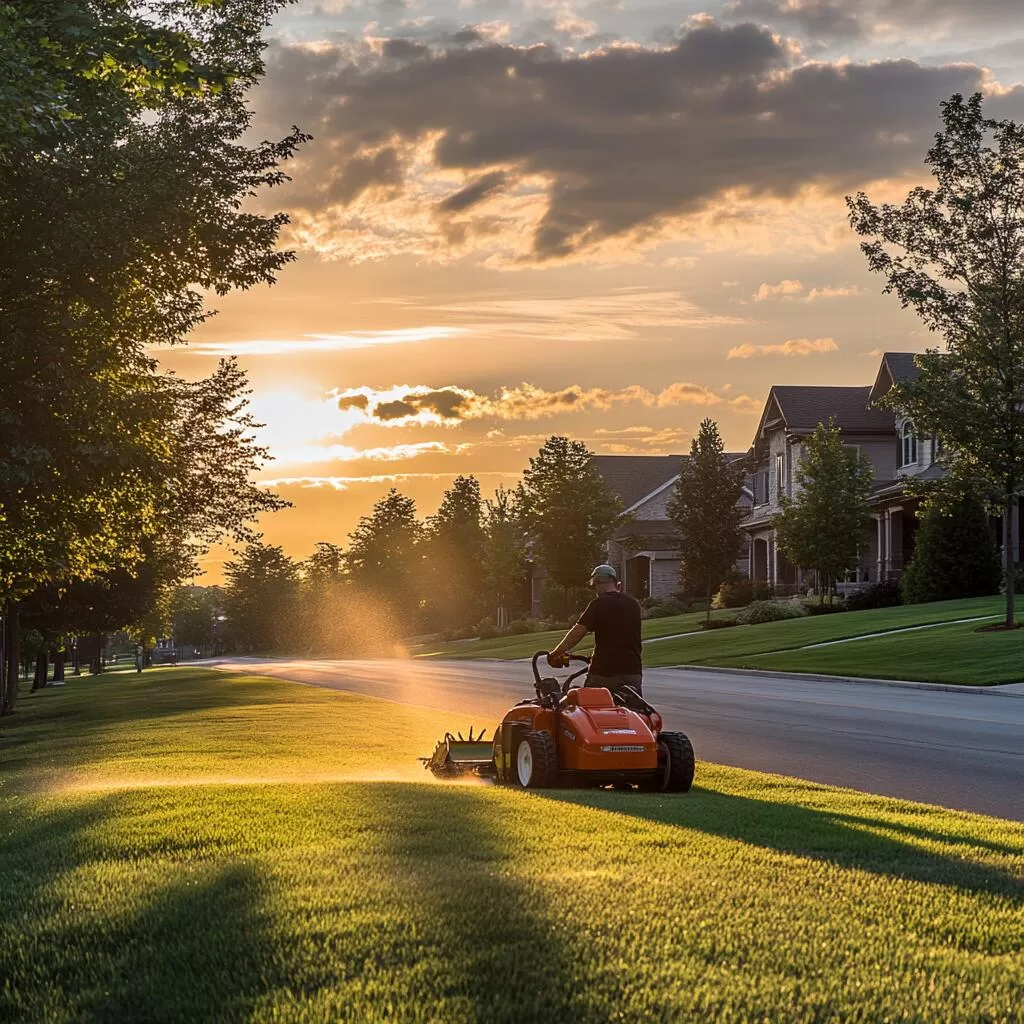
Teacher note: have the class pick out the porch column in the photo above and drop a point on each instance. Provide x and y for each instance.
(888, 543)
(880, 546)
(774, 561)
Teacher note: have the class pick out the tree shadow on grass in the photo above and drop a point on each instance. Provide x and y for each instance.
(846, 840)
(482, 945)
(184, 943)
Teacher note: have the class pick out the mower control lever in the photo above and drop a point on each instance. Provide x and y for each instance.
(544, 654)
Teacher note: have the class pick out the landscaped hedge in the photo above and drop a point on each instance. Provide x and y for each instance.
(769, 611)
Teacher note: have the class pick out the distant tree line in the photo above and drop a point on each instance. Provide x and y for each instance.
(468, 565)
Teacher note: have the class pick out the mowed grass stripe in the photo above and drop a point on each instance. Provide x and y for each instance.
(720, 646)
(945, 654)
(752, 898)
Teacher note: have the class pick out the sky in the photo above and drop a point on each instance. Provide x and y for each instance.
(608, 220)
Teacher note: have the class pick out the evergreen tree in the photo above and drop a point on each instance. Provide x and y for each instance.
(954, 552)
(826, 524)
(955, 254)
(260, 598)
(704, 509)
(324, 624)
(384, 559)
(569, 512)
(504, 555)
(453, 551)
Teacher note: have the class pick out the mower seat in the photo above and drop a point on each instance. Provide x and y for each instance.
(591, 697)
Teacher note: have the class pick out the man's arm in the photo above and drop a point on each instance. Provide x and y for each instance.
(559, 657)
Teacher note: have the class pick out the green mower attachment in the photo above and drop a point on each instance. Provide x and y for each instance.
(455, 756)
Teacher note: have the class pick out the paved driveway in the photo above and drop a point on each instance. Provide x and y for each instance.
(962, 750)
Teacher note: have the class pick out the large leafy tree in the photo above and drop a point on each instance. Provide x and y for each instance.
(504, 552)
(705, 512)
(453, 551)
(827, 522)
(123, 203)
(384, 559)
(954, 253)
(569, 511)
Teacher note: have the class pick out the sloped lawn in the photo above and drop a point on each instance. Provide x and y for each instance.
(947, 654)
(190, 846)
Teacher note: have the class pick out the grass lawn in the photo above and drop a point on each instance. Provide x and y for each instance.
(191, 846)
(946, 654)
(726, 646)
(524, 646)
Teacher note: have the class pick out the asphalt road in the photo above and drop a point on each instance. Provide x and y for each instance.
(960, 750)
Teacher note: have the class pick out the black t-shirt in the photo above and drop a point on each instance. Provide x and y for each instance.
(614, 619)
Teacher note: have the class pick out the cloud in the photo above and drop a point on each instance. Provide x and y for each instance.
(407, 405)
(842, 20)
(773, 291)
(794, 291)
(794, 347)
(322, 342)
(534, 153)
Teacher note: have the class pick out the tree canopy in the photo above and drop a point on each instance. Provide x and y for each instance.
(569, 511)
(825, 524)
(954, 253)
(704, 508)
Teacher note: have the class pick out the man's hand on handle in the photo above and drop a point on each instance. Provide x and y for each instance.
(558, 659)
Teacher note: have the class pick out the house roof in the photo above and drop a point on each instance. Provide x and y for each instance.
(634, 477)
(895, 368)
(803, 407)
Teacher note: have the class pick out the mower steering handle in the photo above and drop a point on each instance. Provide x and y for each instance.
(544, 654)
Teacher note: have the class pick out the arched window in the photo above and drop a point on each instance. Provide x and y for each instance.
(909, 444)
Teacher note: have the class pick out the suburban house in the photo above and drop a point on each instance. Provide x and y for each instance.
(790, 415)
(645, 550)
(899, 455)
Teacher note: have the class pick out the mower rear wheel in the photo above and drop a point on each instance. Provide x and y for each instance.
(535, 765)
(675, 764)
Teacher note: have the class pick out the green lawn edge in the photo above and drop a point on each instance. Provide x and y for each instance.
(192, 845)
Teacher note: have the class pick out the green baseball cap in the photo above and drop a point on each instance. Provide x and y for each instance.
(603, 574)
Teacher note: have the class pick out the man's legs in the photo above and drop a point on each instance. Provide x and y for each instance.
(616, 683)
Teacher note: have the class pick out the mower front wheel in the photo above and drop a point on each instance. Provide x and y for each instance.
(676, 765)
(534, 765)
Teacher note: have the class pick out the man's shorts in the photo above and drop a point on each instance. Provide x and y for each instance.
(617, 682)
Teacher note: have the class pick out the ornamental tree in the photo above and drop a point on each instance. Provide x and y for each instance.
(824, 526)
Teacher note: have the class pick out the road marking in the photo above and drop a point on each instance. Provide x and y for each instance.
(890, 632)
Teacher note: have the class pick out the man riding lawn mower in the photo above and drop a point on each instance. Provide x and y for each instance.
(573, 736)
(601, 733)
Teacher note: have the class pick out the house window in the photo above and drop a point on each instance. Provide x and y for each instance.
(909, 444)
(780, 475)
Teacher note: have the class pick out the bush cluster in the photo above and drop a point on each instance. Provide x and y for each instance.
(738, 593)
(662, 608)
(769, 611)
(885, 594)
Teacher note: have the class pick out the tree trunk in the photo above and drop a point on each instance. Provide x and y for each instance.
(1010, 554)
(42, 669)
(58, 666)
(12, 634)
(707, 607)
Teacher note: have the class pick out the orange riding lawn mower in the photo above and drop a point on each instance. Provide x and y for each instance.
(573, 736)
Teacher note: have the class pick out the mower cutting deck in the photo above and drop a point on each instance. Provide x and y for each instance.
(573, 736)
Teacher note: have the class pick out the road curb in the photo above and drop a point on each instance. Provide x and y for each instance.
(996, 690)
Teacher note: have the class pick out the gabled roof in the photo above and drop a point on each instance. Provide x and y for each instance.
(804, 407)
(895, 368)
(635, 477)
